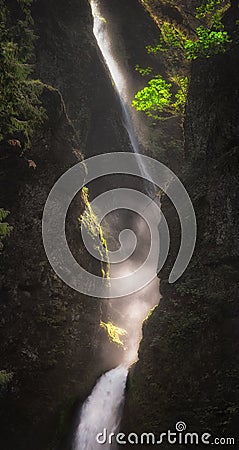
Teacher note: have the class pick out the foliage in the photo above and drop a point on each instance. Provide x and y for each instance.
(206, 41)
(209, 43)
(158, 99)
(5, 228)
(114, 333)
(212, 8)
(5, 379)
(142, 71)
(181, 95)
(156, 96)
(20, 109)
(172, 37)
(91, 223)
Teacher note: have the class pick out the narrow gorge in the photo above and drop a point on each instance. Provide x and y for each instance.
(74, 366)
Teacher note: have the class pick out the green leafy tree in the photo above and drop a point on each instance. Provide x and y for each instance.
(20, 107)
(161, 99)
(206, 42)
(157, 99)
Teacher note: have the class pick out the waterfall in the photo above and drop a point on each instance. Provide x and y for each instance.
(118, 79)
(102, 411)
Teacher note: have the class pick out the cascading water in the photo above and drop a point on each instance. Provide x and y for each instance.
(103, 41)
(102, 409)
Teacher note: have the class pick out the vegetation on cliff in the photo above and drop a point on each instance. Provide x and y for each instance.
(21, 112)
(188, 357)
(93, 227)
(20, 107)
(5, 228)
(200, 33)
(5, 379)
(115, 333)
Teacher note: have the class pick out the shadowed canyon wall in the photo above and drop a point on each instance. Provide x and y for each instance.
(50, 336)
(188, 357)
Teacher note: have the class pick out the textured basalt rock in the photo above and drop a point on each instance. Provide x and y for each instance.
(50, 336)
(188, 357)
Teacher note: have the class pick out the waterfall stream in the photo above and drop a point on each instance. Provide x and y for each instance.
(102, 409)
(118, 79)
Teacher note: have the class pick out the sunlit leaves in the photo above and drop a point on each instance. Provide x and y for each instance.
(171, 38)
(180, 44)
(212, 12)
(208, 43)
(143, 71)
(208, 7)
(93, 227)
(157, 99)
(115, 333)
(181, 95)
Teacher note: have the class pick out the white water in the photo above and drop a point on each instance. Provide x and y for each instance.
(102, 409)
(118, 79)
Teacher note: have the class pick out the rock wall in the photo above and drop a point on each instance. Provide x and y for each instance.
(188, 358)
(68, 58)
(50, 338)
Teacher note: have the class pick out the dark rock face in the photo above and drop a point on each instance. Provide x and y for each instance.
(50, 338)
(71, 62)
(49, 334)
(188, 358)
(131, 29)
